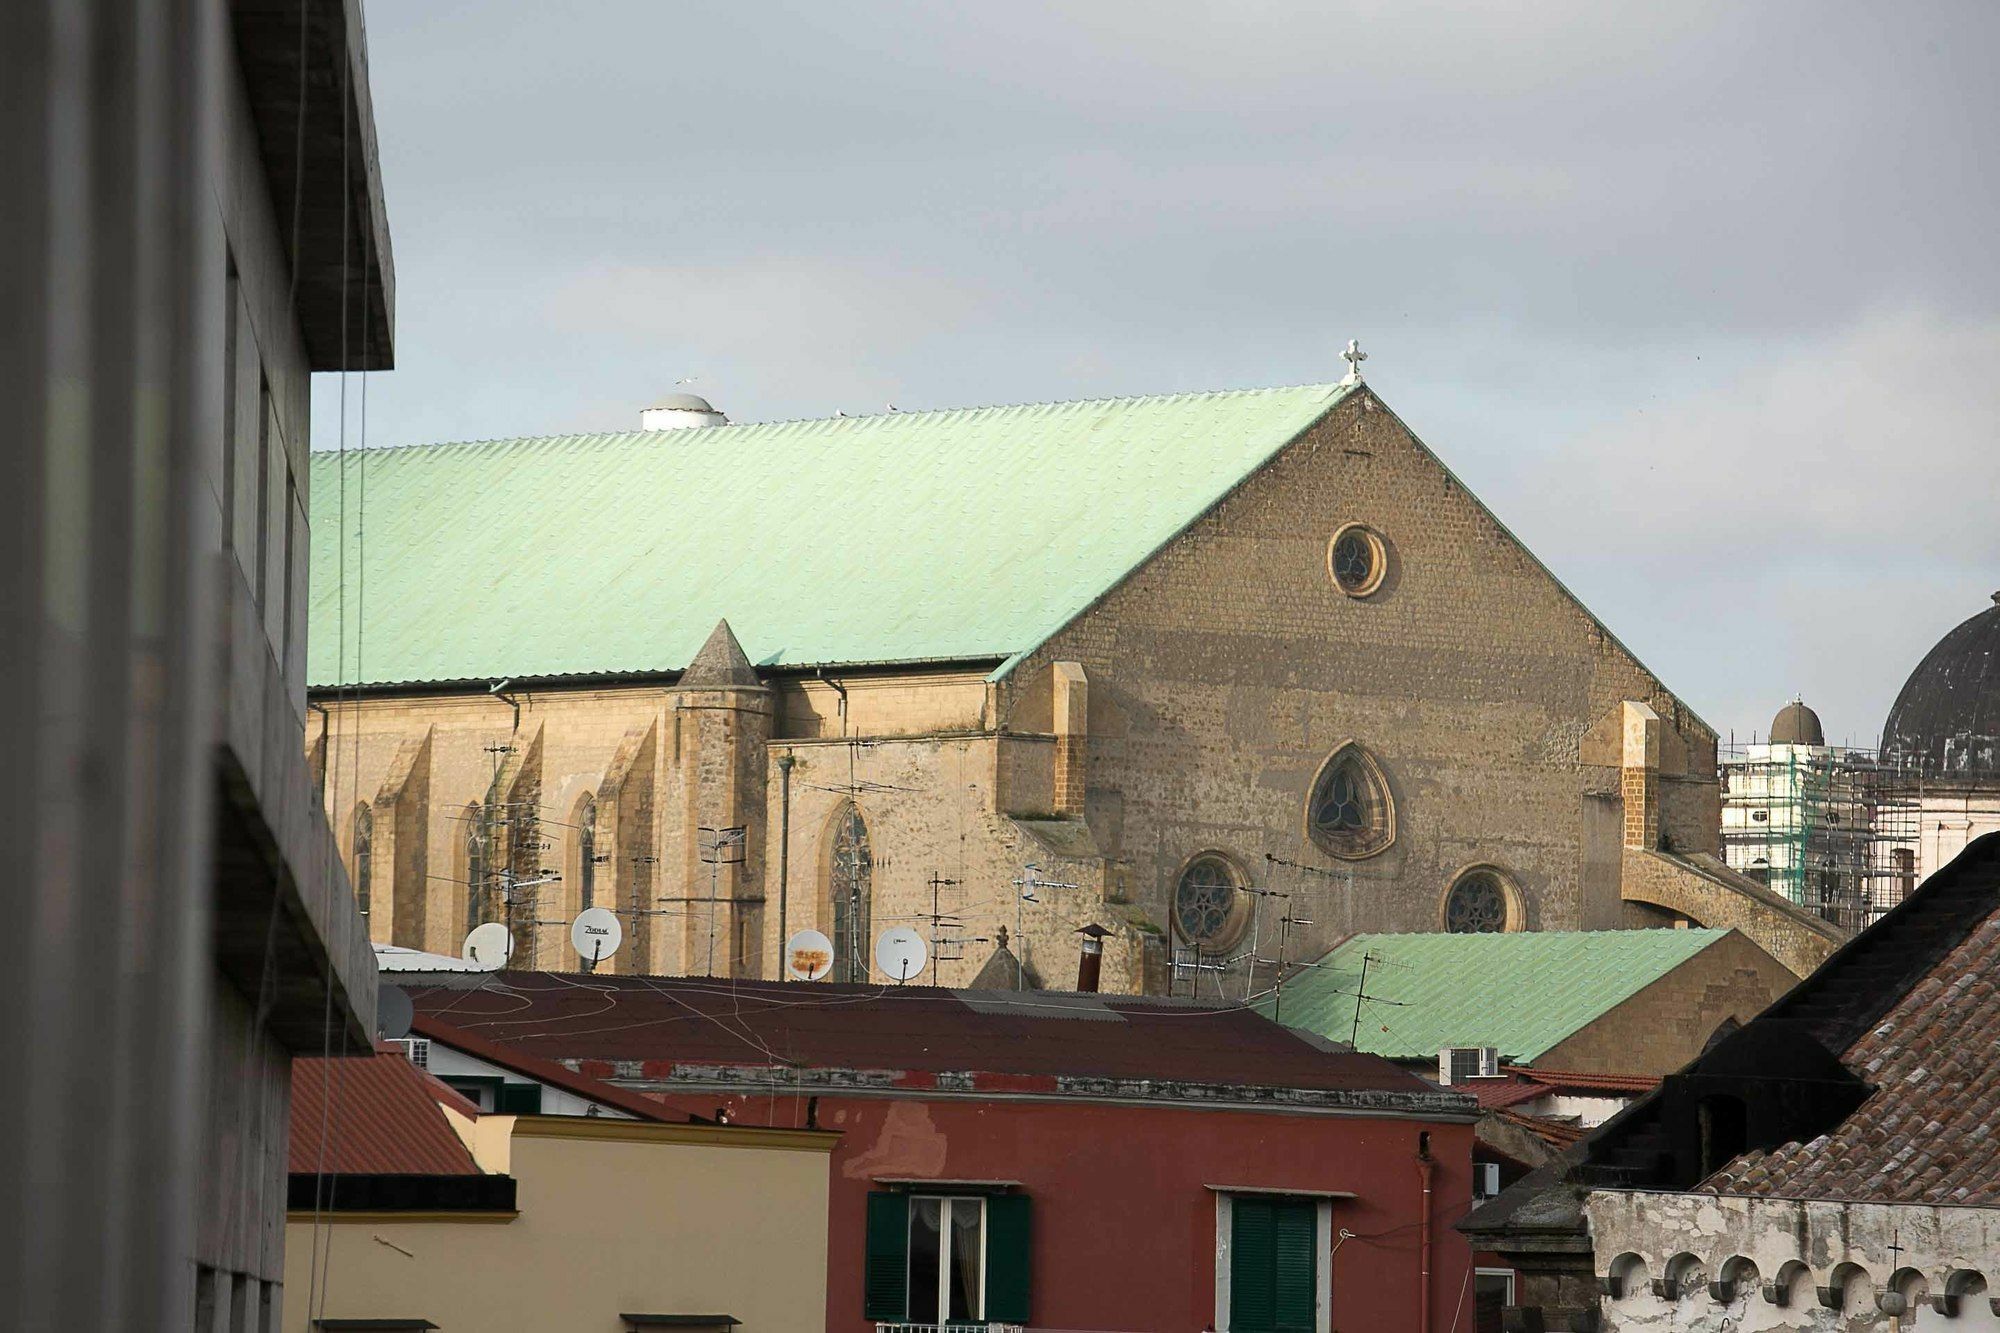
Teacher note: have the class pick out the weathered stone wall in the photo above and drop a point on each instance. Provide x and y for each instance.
(1699, 1263)
(1706, 891)
(1225, 671)
(1666, 1024)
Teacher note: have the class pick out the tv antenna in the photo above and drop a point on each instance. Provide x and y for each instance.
(900, 953)
(595, 935)
(719, 847)
(808, 955)
(1026, 886)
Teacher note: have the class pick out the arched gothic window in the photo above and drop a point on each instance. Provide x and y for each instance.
(1209, 907)
(474, 835)
(585, 834)
(850, 867)
(1350, 814)
(364, 854)
(1479, 902)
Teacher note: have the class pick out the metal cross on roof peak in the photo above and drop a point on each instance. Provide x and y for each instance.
(1353, 356)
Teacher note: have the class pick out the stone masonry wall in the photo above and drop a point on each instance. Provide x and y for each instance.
(1226, 670)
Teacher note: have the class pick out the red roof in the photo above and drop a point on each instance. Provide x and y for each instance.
(1612, 1085)
(908, 1029)
(381, 1116)
(1524, 1083)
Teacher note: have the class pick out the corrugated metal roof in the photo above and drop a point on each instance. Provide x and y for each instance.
(950, 535)
(1521, 992)
(380, 1116)
(820, 1025)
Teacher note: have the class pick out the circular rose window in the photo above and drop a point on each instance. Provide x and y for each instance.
(1206, 901)
(1357, 560)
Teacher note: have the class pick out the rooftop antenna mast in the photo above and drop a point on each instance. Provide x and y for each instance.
(719, 847)
(944, 921)
(1025, 887)
(1285, 924)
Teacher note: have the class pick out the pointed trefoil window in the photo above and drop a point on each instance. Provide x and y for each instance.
(1350, 813)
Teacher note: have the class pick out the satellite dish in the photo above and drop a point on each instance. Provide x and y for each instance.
(808, 955)
(596, 934)
(393, 1012)
(900, 952)
(490, 945)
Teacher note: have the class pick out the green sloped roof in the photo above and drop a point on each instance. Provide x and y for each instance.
(1522, 992)
(914, 536)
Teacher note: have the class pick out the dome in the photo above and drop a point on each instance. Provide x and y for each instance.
(686, 402)
(1796, 724)
(1946, 722)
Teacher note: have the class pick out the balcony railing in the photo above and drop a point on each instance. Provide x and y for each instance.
(956, 1327)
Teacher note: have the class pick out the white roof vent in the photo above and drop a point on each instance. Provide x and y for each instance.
(680, 411)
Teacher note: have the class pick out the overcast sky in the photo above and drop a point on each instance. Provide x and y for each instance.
(1701, 298)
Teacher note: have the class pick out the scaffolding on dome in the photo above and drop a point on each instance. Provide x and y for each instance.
(1832, 828)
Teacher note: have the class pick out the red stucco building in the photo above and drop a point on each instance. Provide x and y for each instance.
(1052, 1161)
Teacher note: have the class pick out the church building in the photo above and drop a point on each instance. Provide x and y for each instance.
(1225, 676)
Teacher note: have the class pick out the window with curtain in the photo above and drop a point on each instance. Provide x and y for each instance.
(946, 1259)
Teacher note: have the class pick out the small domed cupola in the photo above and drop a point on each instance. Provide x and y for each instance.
(1797, 724)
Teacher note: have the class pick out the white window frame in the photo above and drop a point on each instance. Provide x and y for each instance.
(1225, 1206)
(945, 1237)
(1507, 1273)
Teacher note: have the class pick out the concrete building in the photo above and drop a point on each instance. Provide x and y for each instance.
(1830, 1165)
(1047, 1160)
(1154, 653)
(599, 1211)
(187, 238)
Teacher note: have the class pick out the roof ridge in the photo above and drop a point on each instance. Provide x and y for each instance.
(621, 436)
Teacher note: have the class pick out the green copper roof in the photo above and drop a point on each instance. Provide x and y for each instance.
(1522, 992)
(915, 536)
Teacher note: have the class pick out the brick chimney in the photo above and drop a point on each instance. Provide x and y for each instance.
(1639, 776)
(1072, 728)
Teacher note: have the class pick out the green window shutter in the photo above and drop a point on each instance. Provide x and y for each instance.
(1007, 1259)
(1252, 1266)
(885, 1281)
(518, 1099)
(1295, 1288)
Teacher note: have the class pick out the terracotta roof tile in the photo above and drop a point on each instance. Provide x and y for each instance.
(380, 1114)
(1926, 1134)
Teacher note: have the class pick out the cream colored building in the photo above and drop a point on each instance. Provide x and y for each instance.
(711, 1227)
(1167, 658)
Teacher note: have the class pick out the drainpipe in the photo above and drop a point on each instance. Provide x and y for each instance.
(1424, 1168)
(785, 762)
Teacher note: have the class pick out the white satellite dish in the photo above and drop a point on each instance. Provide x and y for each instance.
(596, 934)
(490, 945)
(900, 953)
(393, 1012)
(808, 955)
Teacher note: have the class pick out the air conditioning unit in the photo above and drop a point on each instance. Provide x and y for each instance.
(1456, 1064)
(1485, 1179)
(417, 1050)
